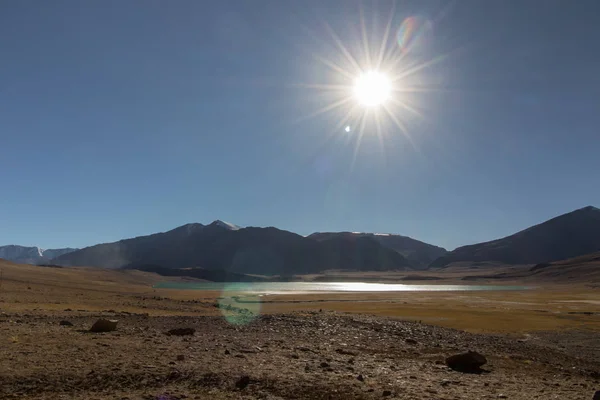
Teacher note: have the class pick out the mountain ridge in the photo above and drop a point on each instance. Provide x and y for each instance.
(31, 254)
(224, 246)
(419, 253)
(565, 236)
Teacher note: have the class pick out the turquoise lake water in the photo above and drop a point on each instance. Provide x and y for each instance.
(331, 287)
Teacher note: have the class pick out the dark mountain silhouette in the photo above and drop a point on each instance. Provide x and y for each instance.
(217, 246)
(418, 253)
(566, 236)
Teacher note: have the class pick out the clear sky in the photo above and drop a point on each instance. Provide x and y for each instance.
(124, 118)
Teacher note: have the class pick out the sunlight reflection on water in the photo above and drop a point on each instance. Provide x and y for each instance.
(324, 287)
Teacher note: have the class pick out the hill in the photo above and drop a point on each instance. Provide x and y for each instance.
(419, 254)
(566, 236)
(222, 246)
(584, 268)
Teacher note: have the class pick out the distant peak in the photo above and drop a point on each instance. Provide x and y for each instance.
(590, 208)
(225, 225)
(189, 228)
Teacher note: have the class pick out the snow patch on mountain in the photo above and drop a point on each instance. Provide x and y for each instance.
(226, 225)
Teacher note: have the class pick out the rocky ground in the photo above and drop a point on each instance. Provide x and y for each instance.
(308, 355)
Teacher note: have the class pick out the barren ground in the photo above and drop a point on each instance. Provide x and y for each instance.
(540, 344)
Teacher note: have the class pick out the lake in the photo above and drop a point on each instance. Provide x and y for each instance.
(326, 287)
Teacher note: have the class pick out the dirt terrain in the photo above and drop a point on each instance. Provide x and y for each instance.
(319, 347)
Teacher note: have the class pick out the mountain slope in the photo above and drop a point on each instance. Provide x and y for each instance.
(220, 246)
(418, 253)
(30, 255)
(566, 236)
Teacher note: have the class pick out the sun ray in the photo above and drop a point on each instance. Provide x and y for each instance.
(386, 35)
(380, 137)
(343, 48)
(328, 108)
(420, 67)
(405, 106)
(365, 39)
(323, 86)
(400, 126)
(334, 66)
(361, 132)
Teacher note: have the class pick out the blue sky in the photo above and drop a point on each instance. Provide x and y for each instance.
(124, 118)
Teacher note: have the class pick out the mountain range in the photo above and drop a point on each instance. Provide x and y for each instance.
(221, 246)
(31, 255)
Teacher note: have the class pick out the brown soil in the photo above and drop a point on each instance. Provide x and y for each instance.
(296, 356)
(300, 354)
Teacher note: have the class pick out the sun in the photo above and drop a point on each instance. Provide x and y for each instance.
(372, 88)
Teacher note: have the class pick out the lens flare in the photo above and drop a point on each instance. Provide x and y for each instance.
(235, 309)
(414, 34)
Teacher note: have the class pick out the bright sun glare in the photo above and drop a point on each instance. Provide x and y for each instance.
(372, 88)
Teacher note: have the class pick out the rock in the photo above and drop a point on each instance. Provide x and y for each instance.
(181, 332)
(411, 341)
(469, 362)
(360, 378)
(242, 382)
(324, 364)
(386, 393)
(227, 352)
(502, 396)
(180, 357)
(596, 395)
(65, 323)
(347, 352)
(104, 325)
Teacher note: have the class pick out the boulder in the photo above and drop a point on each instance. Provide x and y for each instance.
(181, 332)
(469, 362)
(104, 325)
(596, 395)
(242, 382)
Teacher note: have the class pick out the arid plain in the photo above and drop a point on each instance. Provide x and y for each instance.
(540, 343)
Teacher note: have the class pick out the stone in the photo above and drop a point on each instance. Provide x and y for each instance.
(469, 362)
(242, 382)
(65, 323)
(347, 352)
(360, 378)
(386, 393)
(411, 341)
(596, 395)
(104, 325)
(181, 332)
(180, 357)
